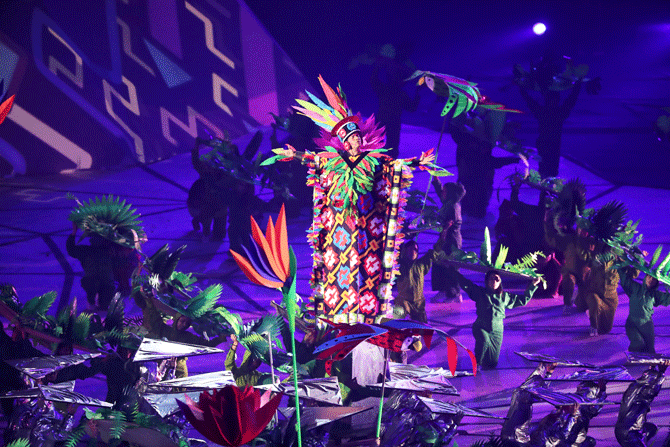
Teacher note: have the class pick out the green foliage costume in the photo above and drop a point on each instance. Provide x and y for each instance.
(598, 294)
(410, 284)
(488, 327)
(642, 300)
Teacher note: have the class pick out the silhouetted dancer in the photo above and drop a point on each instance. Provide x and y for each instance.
(443, 277)
(387, 81)
(516, 426)
(631, 428)
(475, 137)
(551, 114)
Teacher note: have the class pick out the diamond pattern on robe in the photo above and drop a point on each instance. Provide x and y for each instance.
(368, 302)
(341, 238)
(376, 226)
(343, 277)
(330, 258)
(328, 219)
(365, 203)
(372, 264)
(362, 242)
(330, 296)
(353, 259)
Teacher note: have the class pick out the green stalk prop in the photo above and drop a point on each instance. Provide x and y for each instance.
(381, 401)
(289, 296)
(295, 386)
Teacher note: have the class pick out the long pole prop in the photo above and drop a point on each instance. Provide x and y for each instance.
(381, 401)
(437, 151)
(295, 387)
(272, 369)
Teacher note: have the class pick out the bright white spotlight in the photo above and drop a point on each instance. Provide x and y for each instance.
(539, 28)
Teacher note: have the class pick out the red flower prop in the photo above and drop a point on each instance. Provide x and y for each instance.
(231, 416)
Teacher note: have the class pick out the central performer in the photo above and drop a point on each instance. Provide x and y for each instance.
(358, 210)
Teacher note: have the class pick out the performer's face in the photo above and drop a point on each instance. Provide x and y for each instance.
(493, 282)
(411, 252)
(354, 143)
(650, 282)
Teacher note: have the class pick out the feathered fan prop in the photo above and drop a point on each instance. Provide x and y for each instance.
(110, 218)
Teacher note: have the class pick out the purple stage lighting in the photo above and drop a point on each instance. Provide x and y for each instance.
(539, 28)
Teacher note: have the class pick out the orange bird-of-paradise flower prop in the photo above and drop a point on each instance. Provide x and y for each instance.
(270, 262)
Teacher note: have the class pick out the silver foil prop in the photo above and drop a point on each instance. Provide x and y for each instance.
(165, 404)
(440, 407)
(32, 393)
(643, 358)
(533, 357)
(558, 399)
(313, 417)
(617, 374)
(325, 390)
(54, 394)
(437, 384)
(500, 398)
(400, 371)
(201, 382)
(151, 349)
(39, 422)
(38, 367)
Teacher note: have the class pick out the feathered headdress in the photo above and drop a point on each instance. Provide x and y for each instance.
(334, 117)
(337, 122)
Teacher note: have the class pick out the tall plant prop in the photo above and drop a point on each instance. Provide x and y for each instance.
(484, 260)
(271, 263)
(461, 97)
(175, 292)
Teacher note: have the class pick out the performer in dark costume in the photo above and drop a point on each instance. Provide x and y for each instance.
(579, 427)
(516, 426)
(443, 278)
(412, 271)
(632, 428)
(551, 114)
(210, 195)
(96, 261)
(475, 161)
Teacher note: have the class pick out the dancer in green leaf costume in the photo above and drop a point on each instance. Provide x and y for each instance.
(491, 302)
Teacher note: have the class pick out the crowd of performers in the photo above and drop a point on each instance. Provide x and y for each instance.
(368, 285)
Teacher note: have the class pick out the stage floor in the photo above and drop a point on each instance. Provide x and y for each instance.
(34, 227)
